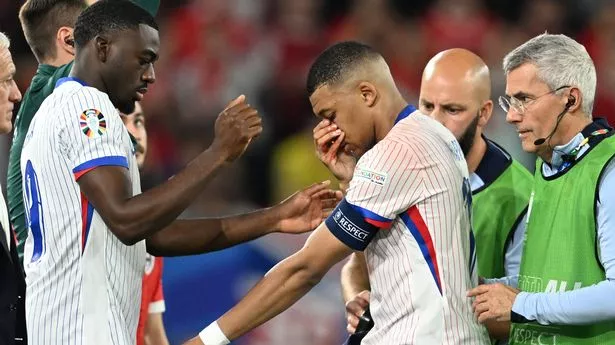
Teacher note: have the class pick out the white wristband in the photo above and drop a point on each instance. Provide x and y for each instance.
(213, 335)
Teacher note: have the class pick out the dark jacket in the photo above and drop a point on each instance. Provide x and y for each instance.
(12, 294)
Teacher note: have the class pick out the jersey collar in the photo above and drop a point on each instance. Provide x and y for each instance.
(408, 109)
(66, 79)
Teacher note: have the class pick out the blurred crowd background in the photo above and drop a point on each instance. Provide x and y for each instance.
(214, 50)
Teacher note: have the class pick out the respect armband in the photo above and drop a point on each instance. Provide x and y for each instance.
(350, 226)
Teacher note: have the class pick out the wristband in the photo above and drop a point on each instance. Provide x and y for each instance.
(213, 335)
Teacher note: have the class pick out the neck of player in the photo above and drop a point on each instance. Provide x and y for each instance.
(392, 107)
(571, 125)
(477, 152)
(91, 77)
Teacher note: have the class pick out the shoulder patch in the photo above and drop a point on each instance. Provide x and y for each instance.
(93, 123)
(375, 177)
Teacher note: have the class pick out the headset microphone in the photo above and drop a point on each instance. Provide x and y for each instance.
(570, 103)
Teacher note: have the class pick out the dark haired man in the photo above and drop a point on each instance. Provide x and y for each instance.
(48, 26)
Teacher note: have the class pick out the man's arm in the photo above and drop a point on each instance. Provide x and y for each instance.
(354, 277)
(154, 330)
(512, 262)
(284, 284)
(301, 212)
(355, 289)
(133, 219)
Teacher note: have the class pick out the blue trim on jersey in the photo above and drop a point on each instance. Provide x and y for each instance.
(405, 217)
(65, 79)
(409, 109)
(102, 161)
(349, 226)
(87, 225)
(369, 214)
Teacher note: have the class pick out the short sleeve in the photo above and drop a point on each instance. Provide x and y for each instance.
(93, 132)
(386, 182)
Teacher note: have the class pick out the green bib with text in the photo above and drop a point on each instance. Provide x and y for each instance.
(561, 249)
(496, 211)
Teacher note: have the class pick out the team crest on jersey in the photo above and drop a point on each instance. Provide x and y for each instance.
(93, 123)
(375, 177)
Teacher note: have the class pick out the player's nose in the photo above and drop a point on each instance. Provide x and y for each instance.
(150, 75)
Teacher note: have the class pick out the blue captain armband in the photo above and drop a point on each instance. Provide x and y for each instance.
(349, 225)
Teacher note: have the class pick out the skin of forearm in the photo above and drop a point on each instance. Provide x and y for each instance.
(354, 277)
(196, 236)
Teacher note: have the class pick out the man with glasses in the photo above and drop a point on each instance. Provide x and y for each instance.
(567, 276)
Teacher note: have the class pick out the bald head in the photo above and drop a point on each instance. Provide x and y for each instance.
(456, 91)
(461, 67)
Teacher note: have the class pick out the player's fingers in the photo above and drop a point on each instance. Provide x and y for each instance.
(353, 320)
(322, 124)
(481, 308)
(319, 131)
(317, 187)
(481, 298)
(365, 294)
(478, 290)
(327, 138)
(254, 132)
(324, 194)
(351, 329)
(240, 99)
(355, 308)
(245, 112)
(486, 316)
(332, 153)
(339, 195)
(254, 121)
(329, 203)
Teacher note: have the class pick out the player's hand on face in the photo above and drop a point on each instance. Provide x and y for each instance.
(306, 209)
(235, 128)
(355, 308)
(328, 140)
(493, 302)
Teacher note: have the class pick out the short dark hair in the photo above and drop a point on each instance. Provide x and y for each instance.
(332, 65)
(108, 16)
(41, 20)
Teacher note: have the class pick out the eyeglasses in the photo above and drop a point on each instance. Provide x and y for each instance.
(520, 106)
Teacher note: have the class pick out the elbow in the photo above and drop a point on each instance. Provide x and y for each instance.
(126, 233)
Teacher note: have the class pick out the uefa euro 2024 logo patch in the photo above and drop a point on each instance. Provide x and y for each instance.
(93, 123)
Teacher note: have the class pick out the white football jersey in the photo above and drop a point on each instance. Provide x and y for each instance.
(83, 283)
(411, 195)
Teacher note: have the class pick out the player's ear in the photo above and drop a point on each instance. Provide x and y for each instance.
(484, 114)
(102, 48)
(66, 40)
(369, 94)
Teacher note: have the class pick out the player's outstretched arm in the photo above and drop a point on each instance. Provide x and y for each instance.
(133, 219)
(281, 287)
(301, 212)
